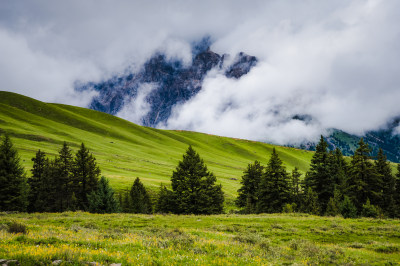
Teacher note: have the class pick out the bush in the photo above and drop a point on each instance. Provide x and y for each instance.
(369, 210)
(289, 208)
(347, 208)
(15, 228)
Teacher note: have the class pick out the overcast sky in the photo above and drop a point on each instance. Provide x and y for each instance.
(336, 61)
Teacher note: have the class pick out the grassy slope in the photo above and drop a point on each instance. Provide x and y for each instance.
(124, 150)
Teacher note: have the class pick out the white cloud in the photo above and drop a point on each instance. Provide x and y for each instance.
(336, 61)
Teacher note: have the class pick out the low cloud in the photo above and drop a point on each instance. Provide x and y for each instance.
(336, 62)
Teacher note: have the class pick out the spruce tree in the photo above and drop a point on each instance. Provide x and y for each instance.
(295, 187)
(364, 181)
(274, 190)
(248, 192)
(388, 185)
(13, 184)
(140, 199)
(102, 199)
(48, 195)
(194, 186)
(319, 177)
(36, 180)
(85, 175)
(397, 192)
(166, 201)
(310, 202)
(63, 178)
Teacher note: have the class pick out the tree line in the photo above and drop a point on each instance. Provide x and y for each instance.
(332, 185)
(72, 182)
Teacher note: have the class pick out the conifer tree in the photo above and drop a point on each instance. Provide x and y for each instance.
(248, 192)
(102, 199)
(140, 199)
(194, 186)
(388, 185)
(310, 202)
(397, 192)
(85, 175)
(63, 179)
(35, 182)
(319, 177)
(347, 208)
(363, 182)
(274, 191)
(295, 187)
(166, 202)
(49, 189)
(13, 184)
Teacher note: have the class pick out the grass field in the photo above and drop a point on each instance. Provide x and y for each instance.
(124, 150)
(79, 238)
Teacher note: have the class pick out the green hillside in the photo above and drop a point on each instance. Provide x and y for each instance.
(124, 150)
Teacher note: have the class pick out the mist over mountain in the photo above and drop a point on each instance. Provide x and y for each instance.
(148, 96)
(319, 65)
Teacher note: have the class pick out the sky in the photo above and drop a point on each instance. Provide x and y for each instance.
(336, 62)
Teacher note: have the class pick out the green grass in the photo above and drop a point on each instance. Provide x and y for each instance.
(79, 238)
(124, 150)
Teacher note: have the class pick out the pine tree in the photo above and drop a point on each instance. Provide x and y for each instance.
(295, 187)
(274, 191)
(63, 178)
(388, 185)
(248, 192)
(85, 175)
(35, 182)
(166, 201)
(364, 182)
(347, 208)
(13, 184)
(140, 199)
(310, 202)
(319, 177)
(397, 192)
(48, 192)
(333, 207)
(102, 199)
(194, 186)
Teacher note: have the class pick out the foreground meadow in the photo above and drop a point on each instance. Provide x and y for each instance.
(79, 238)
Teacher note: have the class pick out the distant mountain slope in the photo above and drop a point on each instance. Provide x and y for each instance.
(162, 83)
(125, 150)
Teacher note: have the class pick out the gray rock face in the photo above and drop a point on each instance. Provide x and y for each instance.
(171, 83)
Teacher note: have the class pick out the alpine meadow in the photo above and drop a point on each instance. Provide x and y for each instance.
(152, 210)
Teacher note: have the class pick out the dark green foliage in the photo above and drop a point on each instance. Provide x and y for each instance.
(319, 177)
(364, 181)
(63, 178)
(85, 175)
(102, 199)
(194, 186)
(247, 198)
(139, 198)
(13, 184)
(295, 187)
(310, 202)
(388, 185)
(274, 190)
(369, 210)
(36, 181)
(166, 202)
(347, 208)
(333, 207)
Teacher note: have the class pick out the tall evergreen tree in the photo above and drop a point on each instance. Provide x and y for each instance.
(274, 190)
(48, 196)
(319, 177)
(140, 199)
(13, 184)
(363, 182)
(166, 201)
(397, 192)
(248, 191)
(85, 175)
(295, 187)
(35, 182)
(194, 186)
(63, 179)
(388, 185)
(102, 199)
